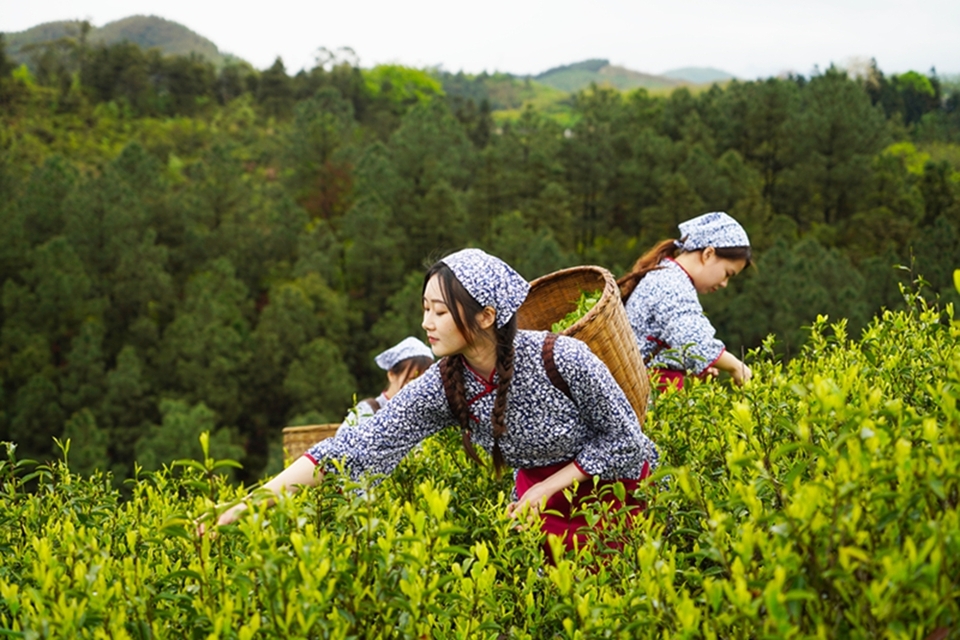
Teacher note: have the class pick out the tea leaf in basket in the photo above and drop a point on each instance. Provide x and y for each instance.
(584, 304)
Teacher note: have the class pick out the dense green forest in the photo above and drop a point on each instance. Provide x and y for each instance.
(189, 248)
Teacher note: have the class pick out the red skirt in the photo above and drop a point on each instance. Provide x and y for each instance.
(558, 516)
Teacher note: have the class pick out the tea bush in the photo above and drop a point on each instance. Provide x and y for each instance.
(819, 501)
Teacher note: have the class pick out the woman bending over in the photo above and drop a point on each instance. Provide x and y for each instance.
(661, 298)
(495, 383)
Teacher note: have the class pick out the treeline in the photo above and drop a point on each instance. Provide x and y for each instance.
(145, 83)
(225, 250)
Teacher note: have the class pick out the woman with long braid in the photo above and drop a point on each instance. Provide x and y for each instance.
(501, 386)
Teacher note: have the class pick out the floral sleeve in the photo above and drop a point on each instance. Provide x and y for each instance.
(377, 445)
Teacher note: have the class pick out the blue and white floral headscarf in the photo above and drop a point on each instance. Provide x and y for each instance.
(490, 280)
(715, 229)
(407, 348)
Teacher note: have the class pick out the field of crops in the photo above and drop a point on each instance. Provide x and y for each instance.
(818, 501)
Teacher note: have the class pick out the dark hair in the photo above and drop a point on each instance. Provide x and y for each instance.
(650, 261)
(464, 310)
(409, 368)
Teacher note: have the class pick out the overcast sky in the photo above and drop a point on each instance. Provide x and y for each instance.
(748, 38)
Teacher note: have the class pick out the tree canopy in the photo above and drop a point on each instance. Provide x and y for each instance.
(189, 247)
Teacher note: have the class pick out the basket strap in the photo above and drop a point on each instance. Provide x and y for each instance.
(550, 365)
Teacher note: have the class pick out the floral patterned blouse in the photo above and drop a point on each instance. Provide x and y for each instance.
(597, 429)
(665, 314)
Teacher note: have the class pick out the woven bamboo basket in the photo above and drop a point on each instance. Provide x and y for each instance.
(605, 328)
(296, 440)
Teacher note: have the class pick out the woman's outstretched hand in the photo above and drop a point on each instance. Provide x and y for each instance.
(535, 498)
(741, 374)
(738, 370)
(232, 514)
(301, 472)
(530, 503)
(227, 517)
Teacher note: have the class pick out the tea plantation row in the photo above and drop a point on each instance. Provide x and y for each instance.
(819, 501)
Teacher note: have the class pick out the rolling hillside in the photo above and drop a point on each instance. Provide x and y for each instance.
(504, 91)
(148, 32)
(699, 75)
(550, 92)
(573, 77)
(507, 95)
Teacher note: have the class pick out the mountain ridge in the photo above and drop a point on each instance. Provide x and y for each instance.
(580, 75)
(172, 38)
(699, 75)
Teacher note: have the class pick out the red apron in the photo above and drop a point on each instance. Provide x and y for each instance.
(560, 520)
(668, 378)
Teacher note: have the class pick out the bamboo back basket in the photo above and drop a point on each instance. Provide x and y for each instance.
(605, 328)
(296, 440)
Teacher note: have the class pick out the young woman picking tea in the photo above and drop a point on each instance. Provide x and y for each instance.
(661, 298)
(493, 381)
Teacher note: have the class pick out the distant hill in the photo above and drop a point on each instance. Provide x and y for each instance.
(699, 75)
(507, 95)
(577, 76)
(148, 32)
(500, 90)
(550, 92)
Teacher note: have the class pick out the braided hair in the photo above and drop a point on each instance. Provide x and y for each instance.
(464, 311)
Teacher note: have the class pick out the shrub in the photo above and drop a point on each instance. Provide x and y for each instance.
(818, 501)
